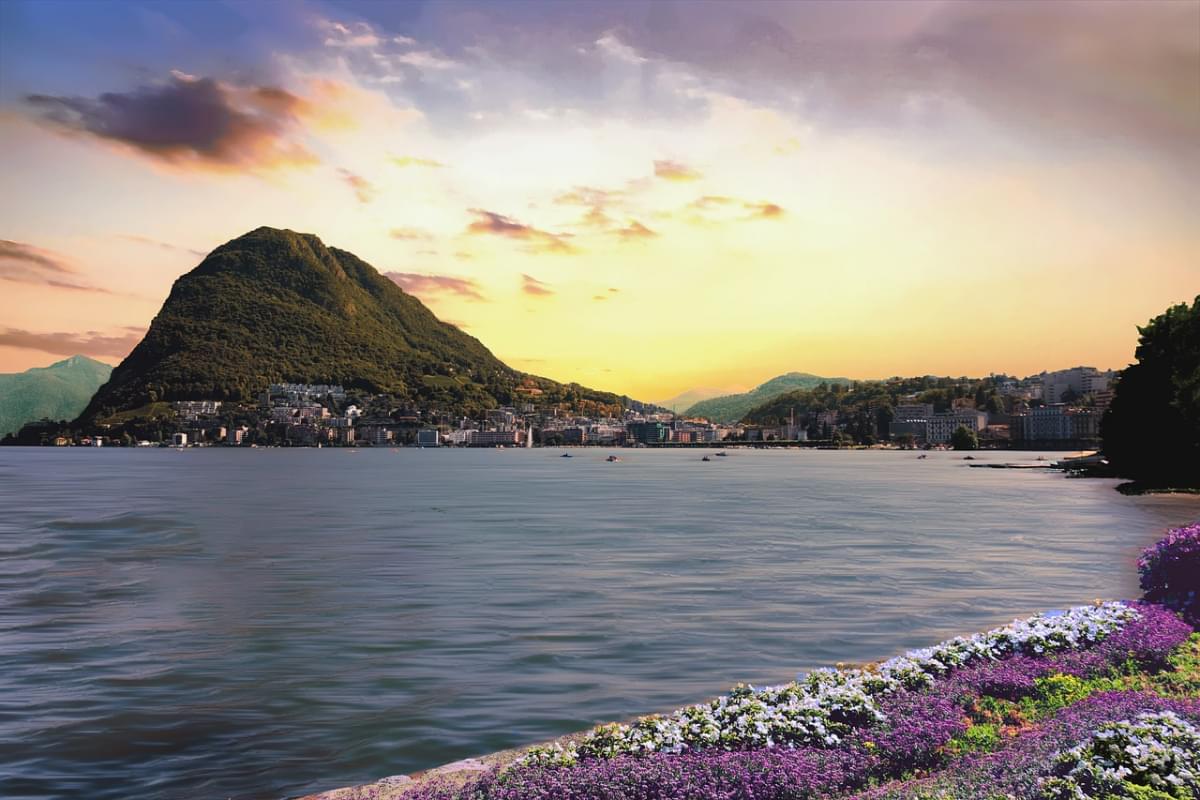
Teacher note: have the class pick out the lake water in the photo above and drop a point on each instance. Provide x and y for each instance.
(264, 623)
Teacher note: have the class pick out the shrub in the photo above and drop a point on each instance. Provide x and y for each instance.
(1170, 571)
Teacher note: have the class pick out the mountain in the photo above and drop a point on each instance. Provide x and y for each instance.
(279, 306)
(59, 391)
(732, 407)
(692, 396)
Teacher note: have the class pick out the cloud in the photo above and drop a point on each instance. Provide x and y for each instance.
(710, 201)
(532, 286)
(353, 35)
(588, 196)
(675, 171)
(634, 231)
(410, 234)
(611, 290)
(596, 218)
(764, 210)
(89, 343)
(432, 285)
(599, 297)
(612, 46)
(539, 241)
(715, 208)
(411, 161)
(189, 122)
(129, 237)
(24, 263)
(425, 59)
(364, 190)
(20, 253)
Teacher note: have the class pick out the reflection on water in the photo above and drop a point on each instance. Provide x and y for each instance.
(260, 623)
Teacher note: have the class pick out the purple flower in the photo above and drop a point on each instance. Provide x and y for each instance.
(1170, 571)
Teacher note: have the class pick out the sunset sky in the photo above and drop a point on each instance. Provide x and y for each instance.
(643, 197)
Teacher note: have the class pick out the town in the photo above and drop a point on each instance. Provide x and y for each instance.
(1052, 410)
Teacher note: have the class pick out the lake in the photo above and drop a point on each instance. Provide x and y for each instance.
(220, 623)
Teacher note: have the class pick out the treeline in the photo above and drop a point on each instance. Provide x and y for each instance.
(867, 408)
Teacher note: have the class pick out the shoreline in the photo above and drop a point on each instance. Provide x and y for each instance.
(459, 773)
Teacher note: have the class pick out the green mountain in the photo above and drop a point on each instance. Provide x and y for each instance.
(689, 398)
(732, 407)
(275, 305)
(59, 391)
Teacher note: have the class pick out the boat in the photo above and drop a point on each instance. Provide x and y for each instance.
(706, 458)
(721, 454)
(566, 455)
(612, 458)
(922, 456)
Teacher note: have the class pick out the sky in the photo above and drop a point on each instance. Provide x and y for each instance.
(645, 197)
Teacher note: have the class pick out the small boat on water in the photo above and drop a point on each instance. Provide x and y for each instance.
(706, 458)
(922, 456)
(612, 458)
(566, 455)
(721, 454)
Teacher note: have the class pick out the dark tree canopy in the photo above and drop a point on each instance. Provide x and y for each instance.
(964, 438)
(1151, 432)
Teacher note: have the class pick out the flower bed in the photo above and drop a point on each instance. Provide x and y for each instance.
(1159, 751)
(1100, 701)
(833, 732)
(825, 706)
(1026, 767)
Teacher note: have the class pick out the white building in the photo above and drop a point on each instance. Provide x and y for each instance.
(939, 428)
(1077, 381)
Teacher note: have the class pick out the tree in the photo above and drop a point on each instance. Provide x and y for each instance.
(964, 438)
(1151, 432)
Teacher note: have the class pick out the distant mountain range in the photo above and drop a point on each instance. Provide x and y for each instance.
(275, 305)
(59, 391)
(732, 407)
(685, 400)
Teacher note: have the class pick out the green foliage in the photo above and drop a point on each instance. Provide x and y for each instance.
(964, 438)
(981, 738)
(732, 407)
(274, 306)
(1151, 432)
(1055, 692)
(59, 391)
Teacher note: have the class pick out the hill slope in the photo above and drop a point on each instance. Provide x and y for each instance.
(276, 305)
(732, 407)
(59, 391)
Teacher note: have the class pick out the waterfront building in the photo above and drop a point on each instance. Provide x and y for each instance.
(1056, 423)
(179, 439)
(428, 437)
(461, 437)
(511, 438)
(939, 428)
(648, 432)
